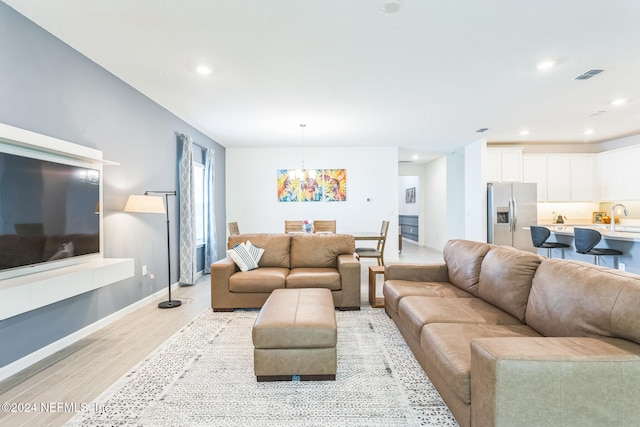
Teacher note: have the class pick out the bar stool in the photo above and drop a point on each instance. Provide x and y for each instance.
(586, 239)
(539, 236)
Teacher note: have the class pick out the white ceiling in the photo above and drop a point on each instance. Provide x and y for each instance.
(423, 79)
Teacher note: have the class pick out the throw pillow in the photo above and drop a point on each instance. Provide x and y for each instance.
(255, 251)
(246, 255)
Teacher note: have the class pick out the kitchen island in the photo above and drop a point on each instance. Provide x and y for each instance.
(625, 239)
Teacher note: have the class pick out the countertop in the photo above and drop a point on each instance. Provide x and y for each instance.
(628, 233)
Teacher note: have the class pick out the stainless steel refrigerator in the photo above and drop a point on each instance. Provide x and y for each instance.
(512, 208)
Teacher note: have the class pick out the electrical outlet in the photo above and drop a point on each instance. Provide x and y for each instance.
(621, 266)
(144, 270)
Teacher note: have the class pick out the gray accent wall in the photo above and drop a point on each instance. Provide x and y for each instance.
(49, 88)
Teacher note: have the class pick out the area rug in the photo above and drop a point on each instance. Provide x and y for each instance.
(203, 376)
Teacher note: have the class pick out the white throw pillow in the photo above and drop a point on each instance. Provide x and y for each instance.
(255, 251)
(246, 255)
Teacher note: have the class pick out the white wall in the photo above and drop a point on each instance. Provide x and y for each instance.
(404, 183)
(415, 170)
(441, 199)
(455, 196)
(475, 190)
(372, 173)
(435, 233)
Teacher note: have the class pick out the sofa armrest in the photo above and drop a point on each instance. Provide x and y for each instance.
(417, 272)
(221, 271)
(349, 269)
(554, 381)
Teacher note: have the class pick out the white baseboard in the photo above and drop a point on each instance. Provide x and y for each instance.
(32, 358)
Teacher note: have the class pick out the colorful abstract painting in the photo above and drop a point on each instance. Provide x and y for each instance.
(335, 185)
(312, 185)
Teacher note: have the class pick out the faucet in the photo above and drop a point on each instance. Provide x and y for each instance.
(613, 215)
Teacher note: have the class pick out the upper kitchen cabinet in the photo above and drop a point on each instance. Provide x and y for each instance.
(618, 174)
(582, 178)
(560, 178)
(534, 169)
(504, 164)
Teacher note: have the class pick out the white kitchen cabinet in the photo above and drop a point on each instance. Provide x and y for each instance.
(618, 174)
(582, 178)
(534, 169)
(559, 178)
(493, 168)
(631, 186)
(504, 164)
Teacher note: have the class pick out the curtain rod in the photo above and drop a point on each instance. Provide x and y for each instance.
(194, 143)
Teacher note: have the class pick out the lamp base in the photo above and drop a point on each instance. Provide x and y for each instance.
(170, 304)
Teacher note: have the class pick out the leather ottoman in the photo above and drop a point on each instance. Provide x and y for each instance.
(295, 333)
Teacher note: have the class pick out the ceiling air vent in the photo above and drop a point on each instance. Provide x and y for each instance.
(588, 74)
(482, 130)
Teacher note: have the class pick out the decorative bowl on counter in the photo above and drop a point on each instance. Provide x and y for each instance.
(607, 219)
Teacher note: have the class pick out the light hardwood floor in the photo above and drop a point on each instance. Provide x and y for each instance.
(77, 374)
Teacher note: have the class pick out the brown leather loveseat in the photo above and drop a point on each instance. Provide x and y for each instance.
(510, 338)
(289, 261)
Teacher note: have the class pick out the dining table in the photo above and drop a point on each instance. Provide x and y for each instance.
(365, 235)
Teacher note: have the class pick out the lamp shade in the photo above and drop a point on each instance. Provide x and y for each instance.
(144, 204)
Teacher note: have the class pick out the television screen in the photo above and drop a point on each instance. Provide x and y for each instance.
(48, 211)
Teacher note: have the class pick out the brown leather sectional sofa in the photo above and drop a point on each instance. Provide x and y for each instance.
(510, 338)
(289, 261)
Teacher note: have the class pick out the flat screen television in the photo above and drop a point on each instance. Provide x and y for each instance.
(48, 211)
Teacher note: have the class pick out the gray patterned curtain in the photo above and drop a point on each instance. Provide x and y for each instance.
(187, 215)
(211, 251)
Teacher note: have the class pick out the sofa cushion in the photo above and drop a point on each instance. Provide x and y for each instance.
(448, 350)
(314, 278)
(319, 250)
(276, 248)
(463, 259)
(572, 298)
(417, 311)
(505, 279)
(395, 290)
(264, 279)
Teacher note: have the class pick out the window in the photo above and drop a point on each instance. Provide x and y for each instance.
(199, 202)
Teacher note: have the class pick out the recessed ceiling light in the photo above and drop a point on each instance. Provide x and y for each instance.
(391, 6)
(588, 131)
(203, 69)
(618, 101)
(415, 157)
(545, 65)
(524, 132)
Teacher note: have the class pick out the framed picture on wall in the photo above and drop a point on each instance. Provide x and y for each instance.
(312, 185)
(410, 195)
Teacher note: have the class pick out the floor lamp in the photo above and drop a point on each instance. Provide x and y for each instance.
(154, 204)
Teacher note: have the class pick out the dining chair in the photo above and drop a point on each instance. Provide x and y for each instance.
(324, 226)
(292, 226)
(378, 251)
(233, 228)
